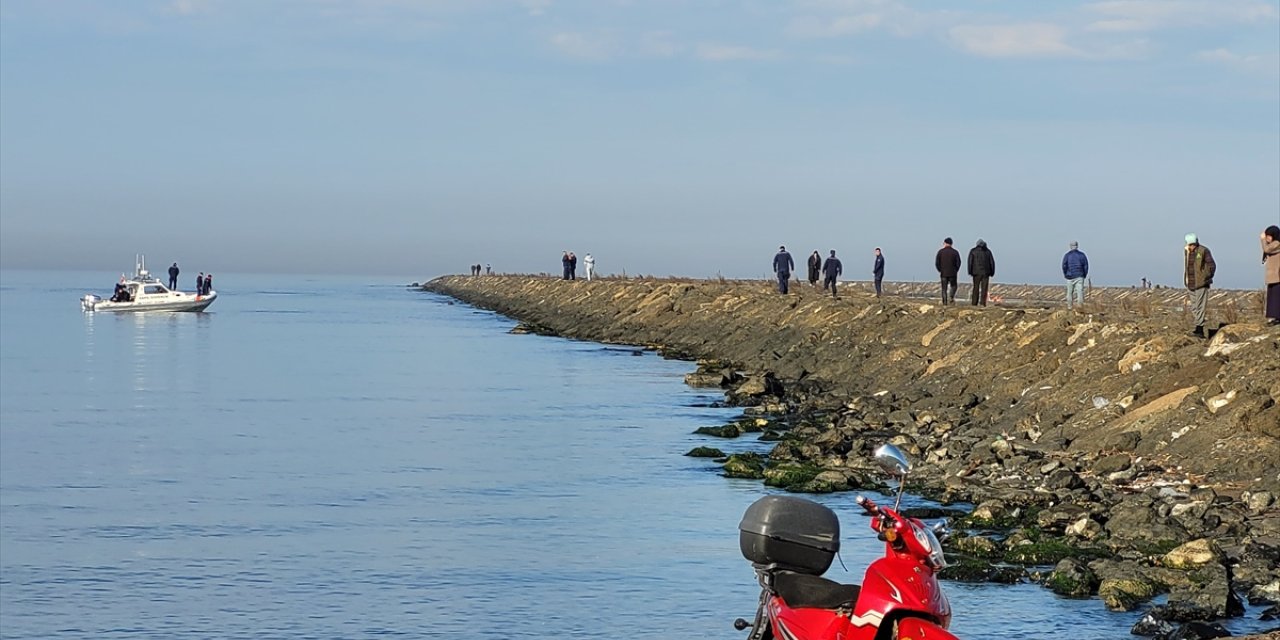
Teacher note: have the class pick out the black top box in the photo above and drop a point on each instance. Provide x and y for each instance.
(789, 533)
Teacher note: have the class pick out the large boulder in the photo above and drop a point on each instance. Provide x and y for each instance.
(1073, 579)
(1196, 553)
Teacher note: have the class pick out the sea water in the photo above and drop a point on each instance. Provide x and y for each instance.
(320, 457)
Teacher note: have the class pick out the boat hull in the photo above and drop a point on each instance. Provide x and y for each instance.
(178, 303)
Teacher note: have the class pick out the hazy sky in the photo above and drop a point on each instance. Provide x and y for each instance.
(415, 137)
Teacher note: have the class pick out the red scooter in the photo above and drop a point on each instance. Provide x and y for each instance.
(791, 543)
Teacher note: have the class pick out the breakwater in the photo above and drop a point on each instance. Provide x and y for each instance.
(1103, 439)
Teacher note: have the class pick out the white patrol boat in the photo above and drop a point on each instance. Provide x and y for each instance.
(144, 292)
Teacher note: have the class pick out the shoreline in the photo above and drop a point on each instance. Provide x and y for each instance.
(1081, 438)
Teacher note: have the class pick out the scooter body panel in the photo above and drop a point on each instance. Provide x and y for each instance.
(806, 623)
(900, 582)
(920, 629)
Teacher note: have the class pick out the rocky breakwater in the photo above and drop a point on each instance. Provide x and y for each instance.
(1107, 454)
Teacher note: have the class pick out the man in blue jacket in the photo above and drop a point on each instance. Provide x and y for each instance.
(831, 270)
(878, 270)
(1075, 268)
(782, 265)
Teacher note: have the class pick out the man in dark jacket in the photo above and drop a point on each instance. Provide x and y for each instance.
(173, 277)
(1075, 268)
(782, 266)
(564, 263)
(815, 268)
(1198, 272)
(982, 266)
(878, 270)
(948, 264)
(831, 270)
(200, 283)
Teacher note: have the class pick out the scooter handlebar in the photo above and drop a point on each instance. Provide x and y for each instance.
(868, 504)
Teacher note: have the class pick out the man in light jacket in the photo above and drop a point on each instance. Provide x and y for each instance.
(1197, 273)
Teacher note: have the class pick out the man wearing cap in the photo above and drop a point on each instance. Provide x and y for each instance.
(948, 264)
(1075, 268)
(782, 266)
(1198, 276)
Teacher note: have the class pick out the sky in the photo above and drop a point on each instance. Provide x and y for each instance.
(412, 138)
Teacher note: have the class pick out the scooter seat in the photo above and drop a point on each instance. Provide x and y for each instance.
(801, 590)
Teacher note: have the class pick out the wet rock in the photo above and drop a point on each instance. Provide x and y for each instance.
(976, 546)
(705, 452)
(1152, 625)
(744, 465)
(1194, 554)
(726, 431)
(1208, 596)
(1271, 613)
(973, 570)
(788, 475)
(1121, 594)
(1073, 579)
(1197, 631)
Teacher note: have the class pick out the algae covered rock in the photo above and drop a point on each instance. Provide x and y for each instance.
(744, 465)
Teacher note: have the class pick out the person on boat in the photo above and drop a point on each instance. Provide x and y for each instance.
(119, 293)
(173, 277)
(200, 283)
(208, 283)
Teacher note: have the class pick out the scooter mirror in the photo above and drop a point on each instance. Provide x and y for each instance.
(893, 461)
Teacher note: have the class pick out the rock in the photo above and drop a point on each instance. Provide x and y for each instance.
(1062, 479)
(788, 475)
(1193, 554)
(1258, 501)
(977, 546)
(1271, 613)
(744, 465)
(726, 431)
(1150, 624)
(1084, 528)
(1072, 579)
(1219, 401)
(1111, 464)
(1208, 596)
(989, 512)
(703, 379)
(705, 452)
(1122, 594)
(1198, 631)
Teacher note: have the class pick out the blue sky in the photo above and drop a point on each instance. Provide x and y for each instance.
(413, 138)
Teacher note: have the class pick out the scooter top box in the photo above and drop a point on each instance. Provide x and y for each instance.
(792, 533)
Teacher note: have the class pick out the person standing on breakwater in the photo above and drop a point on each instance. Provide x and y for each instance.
(1271, 266)
(782, 266)
(982, 266)
(564, 262)
(590, 264)
(948, 264)
(815, 269)
(832, 269)
(173, 277)
(1198, 271)
(878, 270)
(1075, 268)
(488, 269)
(573, 266)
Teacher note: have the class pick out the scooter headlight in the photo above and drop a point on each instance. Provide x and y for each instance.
(929, 541)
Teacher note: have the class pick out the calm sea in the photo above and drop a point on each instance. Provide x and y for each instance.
(318, 457)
